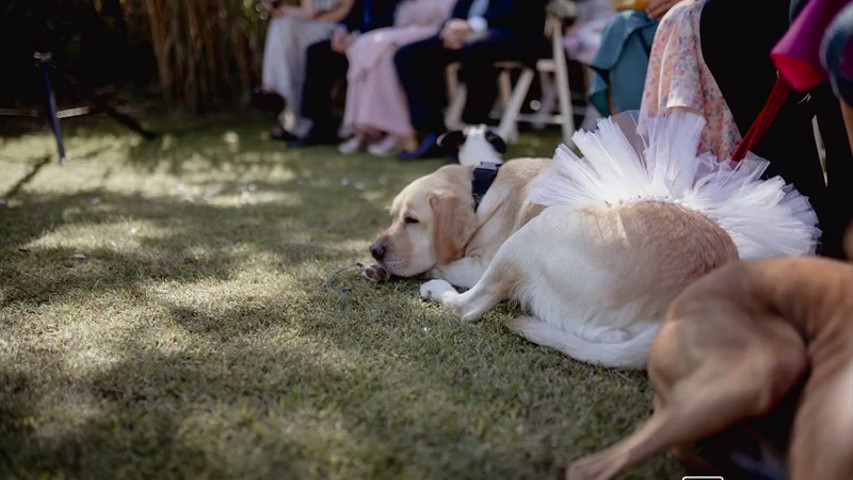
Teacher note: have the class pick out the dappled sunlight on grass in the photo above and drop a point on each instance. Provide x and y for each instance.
(164, 312)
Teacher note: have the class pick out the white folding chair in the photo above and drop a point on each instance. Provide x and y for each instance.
(553, 73)
(547, 67)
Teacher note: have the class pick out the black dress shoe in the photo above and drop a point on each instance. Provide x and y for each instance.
(279, 133)
(267, 101)
(427, 149)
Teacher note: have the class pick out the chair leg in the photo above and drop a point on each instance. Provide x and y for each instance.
(508, 129)
(504, 89)
(548, 102)
(451, 73)
(563, 91)
(453, 114)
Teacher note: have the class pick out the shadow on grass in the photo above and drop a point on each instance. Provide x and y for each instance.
(177, 239)
(358, 388)
(277, 413)
(87, 448)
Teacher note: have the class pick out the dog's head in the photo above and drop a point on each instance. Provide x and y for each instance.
(476, 144)
(432, 220)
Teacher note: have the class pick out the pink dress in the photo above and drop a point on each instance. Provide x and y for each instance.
(679, 78)
(374, 96)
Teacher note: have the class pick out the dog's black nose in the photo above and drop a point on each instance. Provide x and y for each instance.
(378, 251)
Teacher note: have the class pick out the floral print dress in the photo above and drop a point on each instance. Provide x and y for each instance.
(679, 78)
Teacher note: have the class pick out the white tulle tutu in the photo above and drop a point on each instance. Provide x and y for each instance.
(660, 164)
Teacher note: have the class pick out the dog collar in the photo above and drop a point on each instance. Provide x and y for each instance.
(484, 176)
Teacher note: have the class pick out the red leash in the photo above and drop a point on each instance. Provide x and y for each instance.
(764, 120)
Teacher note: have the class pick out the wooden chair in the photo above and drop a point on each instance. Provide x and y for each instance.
(553, 72)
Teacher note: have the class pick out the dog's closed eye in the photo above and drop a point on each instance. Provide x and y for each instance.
(411, 220)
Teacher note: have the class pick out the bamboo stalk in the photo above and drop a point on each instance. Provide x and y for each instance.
(204, 49)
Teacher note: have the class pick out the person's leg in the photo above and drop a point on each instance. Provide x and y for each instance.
(742, 68)
(275, 66)
(380, 102)
(322, 69)
(268, 97)
(304, 34)
(480, 74)
(420, 67)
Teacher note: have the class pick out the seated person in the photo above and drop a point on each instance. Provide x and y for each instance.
(480, 33)
(376, 111)
(619, 65)
(583, 38)
(679, 78)
(697, 64)
(326, 63)
(290, 32)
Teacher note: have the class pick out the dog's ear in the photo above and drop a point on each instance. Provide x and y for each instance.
(454, 225)
(451, 140)
(497, 142)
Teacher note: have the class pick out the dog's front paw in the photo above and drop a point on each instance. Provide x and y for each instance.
(433, 289)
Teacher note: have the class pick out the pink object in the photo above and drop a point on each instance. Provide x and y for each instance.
(583, 38)
(797, 55)
(375, 98)
(678, 78)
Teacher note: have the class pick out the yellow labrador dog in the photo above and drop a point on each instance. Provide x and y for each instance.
(598, 281)
(625, 230)
(437, 228)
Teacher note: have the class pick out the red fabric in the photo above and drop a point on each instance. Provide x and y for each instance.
(765, 118)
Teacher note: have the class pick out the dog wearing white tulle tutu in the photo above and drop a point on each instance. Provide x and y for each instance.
(625, 229)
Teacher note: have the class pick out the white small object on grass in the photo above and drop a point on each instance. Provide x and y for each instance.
(96, 200)
(78, 256)
(345, 181)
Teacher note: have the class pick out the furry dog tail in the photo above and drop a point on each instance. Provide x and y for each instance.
(630, 354)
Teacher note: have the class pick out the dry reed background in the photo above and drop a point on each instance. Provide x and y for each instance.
(194, 53)
(205, 49)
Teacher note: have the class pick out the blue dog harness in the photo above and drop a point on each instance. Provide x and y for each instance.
(484, 176)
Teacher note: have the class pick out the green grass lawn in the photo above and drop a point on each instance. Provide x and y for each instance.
(163, 314)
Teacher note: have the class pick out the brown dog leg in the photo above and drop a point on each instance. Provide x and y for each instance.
(822, 437)
(711, 368)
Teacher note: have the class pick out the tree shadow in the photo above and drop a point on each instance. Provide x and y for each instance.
(151, 407)
(178, 239)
